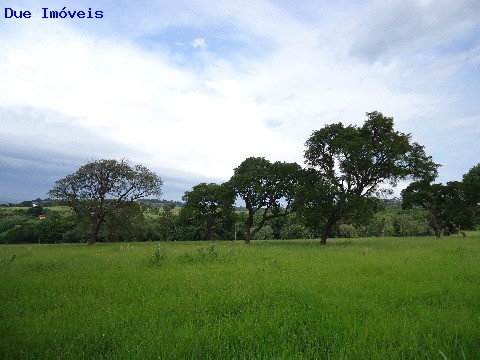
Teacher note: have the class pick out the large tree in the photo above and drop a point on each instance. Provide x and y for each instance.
(439, 201)
(266, 188)
(210, 204)
(99, 188)
(471, 183)
(454, 205)
(349, 164)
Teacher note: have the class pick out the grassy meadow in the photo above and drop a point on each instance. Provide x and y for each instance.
(370, 298)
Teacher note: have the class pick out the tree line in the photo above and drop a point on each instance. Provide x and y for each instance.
(348, 170)
(163, 222)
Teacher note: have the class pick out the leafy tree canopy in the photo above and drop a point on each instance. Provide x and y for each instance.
(454, 205)
(265, 187)
(471, 182)
(210, 204)
(98, 187)
(349, 164)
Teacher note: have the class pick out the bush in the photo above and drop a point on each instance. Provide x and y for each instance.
(7, 224)
(295, 231)
(21, 234)
(158, 257)
(75, 235)
(266, 233)
(347, 231)
(52, 229)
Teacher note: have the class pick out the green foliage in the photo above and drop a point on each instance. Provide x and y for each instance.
(102, 189)
(295, 231)
(159, 256)
(165, 226)
(21, 234)
(209, 254)
(124, 223)
(9, 223)
(266, 188)
(335, 196)
(202, 255)
(36, 211)
(471, 183)
(348, 165)
(210, 205)
(48, 231)
(265, 233)
(450, 207)
(133, 225)
(347, 231)
(397, 222)
(52, 229)
(78, 234)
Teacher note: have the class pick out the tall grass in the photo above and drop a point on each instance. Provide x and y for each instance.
(361, 298)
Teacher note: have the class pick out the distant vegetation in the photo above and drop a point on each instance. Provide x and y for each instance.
(168, 221)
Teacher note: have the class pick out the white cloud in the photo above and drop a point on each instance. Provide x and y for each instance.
(206, 111)
(391, 29)
(199, 43)
(139, 99)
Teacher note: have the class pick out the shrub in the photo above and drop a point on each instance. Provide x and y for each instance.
(266, 233)
(295, 231)
(159, 256)
(347, 231)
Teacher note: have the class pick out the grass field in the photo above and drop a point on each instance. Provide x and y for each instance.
(355, 298)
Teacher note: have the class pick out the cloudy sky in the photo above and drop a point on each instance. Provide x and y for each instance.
(192, 88)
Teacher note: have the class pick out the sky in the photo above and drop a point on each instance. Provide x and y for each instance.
(190, 89)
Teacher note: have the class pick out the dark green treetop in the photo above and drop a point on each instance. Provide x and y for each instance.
(100, 186)
(350, 164)
(209, 204)
(267, 188)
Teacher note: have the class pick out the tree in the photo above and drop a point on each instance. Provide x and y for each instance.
(52, 229)
(165, 226)
(124, 223)
(266, 188)
(471, 183)
(99, 187)
(349, 164)
(429, 197)
(209, 204)
(451, 206)
(317, 201)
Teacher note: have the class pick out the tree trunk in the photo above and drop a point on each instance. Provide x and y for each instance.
(326, 230)
(248, 227)
(210, 229)
(248, 236)
(323, 239)
(436, 226)
(94, 236)
(251, 233)
(95, 229)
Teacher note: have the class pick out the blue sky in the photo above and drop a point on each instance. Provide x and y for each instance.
(192, 88)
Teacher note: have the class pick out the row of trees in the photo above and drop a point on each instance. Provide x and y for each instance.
(347, 169)
(451, 206)
(159, 222)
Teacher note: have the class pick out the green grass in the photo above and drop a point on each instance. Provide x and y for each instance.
(355, 298)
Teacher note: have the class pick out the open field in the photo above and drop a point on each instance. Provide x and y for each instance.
(358, 298)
